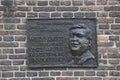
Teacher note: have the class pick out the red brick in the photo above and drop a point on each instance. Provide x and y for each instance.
(22, 44)
(114, 38)
(89, 2)
(20, 2)
(113, 55)
(114, 2)
(102, 50)
(115, 62)
(9, 68)
(114, 73)
(77, 2)
(102, 14)
(43, 78)
(105, 20)
(18, 32)
(105, 44)
(102, 2)
(115, 26)
(117, 20)
(104, 26)
(4, 32)
(105, 68)
(91, 78)
(102, 61)
(113, 50)
(103, 38)
(67, 73)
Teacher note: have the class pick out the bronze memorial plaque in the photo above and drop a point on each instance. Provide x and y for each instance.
(62, 42)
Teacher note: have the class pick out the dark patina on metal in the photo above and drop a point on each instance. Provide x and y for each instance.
(62, 42)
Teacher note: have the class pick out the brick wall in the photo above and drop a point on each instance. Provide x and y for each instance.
(13, 15)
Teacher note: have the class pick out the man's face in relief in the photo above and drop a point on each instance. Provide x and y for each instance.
(78, 40)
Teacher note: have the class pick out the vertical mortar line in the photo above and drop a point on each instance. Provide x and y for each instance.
(36, 3)
(79, 77)
(50, 14)
(48, 2)
(83, 3)
(62, 14)
(71, 2)
(48, 73)
(25, 2)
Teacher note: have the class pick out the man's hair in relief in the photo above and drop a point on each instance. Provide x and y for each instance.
(88, 32)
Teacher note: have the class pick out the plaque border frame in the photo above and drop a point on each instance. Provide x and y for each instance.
(64, 66)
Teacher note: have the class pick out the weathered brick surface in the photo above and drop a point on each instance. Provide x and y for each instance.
(78, 73)
(31, 2)
(105, 20)
(68, 15)
(65, 78)
(90, 78)
(102, 73)
(44, 15)
(79, 14)
(67, 73)
(19, 74)
(117, 20)
(13, 38)
(17, 56)
(67, 8)
(20, 2)
(115, 2)
(114, 62)
(8, 44)
(32, 15)
(37, 9)
(31, 74)
(19, 78)
(9, 27)
(20, 14)
(90, 73)
(77, 2)
(114, 14)
(65, 3)
(89, 2)
(8, 51)
(8, 38)
(42, 3)
(3, 56)
(91, 8)
(5, 62)
(55, 73)
(18, 62)
(43, 79)
(54, 2)
(23, 8)
(43, 73)
(102, 2)
(9, 68)
(7, 74)
(112, 8)
(56, 14)
(102, 14)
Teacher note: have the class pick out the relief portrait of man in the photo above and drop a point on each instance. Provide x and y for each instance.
(80, 44)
